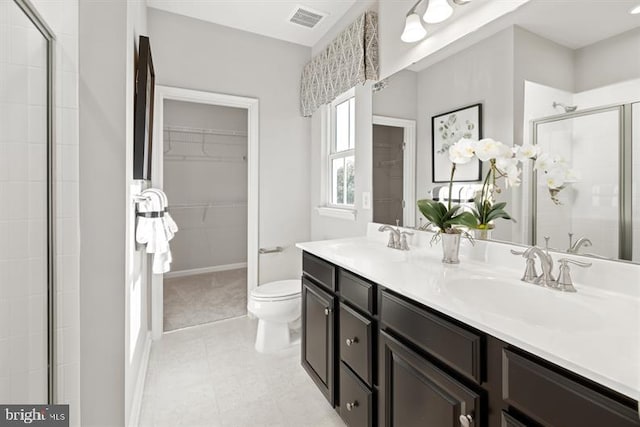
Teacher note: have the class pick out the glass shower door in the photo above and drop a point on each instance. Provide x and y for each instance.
(589, 203)
(24, 207)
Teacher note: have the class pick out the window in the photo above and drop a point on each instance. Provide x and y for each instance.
(341, 159)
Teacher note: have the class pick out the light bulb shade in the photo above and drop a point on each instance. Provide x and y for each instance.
(413, 29)
(635, 10)
(437, 11)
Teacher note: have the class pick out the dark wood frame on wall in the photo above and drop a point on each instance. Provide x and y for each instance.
(433, 143)
(143, 112)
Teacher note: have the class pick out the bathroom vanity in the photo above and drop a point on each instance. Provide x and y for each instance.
(395, 338)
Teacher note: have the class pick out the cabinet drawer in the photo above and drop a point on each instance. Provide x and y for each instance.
(356, 343)
(508, 420)
(356, 291)
(553, 399)
(319, 270)
(356, 402)
(455, 346)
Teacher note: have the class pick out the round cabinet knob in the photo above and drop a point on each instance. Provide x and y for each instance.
(327, 311)
(350, 341)
(466, 420)
(352, 405)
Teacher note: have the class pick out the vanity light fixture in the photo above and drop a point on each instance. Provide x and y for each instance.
(413, 29)
(437, 11)
(635, 10)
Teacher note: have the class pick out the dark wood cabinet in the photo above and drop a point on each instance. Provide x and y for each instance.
(414, 392)
(356, 340)
(556, 400)
(385, 360)
(318, 337)
(356, 399)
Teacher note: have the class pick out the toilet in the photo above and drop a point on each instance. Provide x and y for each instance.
(277, 307)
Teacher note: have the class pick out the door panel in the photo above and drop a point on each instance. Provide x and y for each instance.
(318, 337)
(413, 392)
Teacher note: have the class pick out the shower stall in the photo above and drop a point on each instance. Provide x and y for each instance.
(598, 201)
(27, 289)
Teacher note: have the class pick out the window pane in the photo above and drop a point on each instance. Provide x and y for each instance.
(342, 126)
(337, 181)
(352, 123)
(350, 178)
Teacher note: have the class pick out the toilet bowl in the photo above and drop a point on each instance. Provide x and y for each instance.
(277, 307)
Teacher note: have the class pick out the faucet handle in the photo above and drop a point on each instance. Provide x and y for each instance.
(565, 261)
(564, 282)
(517, 252)
(404, 246)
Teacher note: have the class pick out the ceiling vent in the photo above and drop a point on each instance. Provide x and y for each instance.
(306, 17)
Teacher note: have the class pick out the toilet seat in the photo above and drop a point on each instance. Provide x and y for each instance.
(282, 290)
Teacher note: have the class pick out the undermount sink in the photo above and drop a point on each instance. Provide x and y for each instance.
(544, 307)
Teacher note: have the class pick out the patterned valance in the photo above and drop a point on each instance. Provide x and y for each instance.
(351, 58)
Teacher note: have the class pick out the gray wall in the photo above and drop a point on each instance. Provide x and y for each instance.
(194, 54)
(542, 61)
(400, 98)
(102, 100)
(482, 73)
(612, 60)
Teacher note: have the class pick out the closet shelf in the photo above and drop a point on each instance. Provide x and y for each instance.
(203, 131)
(207, 205)
(205, 158)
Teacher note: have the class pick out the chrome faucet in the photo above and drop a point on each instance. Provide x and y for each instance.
(546, 264)
(563, 283)
(574, 248)
(397, 238)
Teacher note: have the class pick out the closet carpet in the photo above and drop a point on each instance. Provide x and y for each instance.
(204, 298)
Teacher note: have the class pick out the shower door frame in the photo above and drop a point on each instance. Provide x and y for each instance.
(32, 14)
(252, 105)
(625, 160)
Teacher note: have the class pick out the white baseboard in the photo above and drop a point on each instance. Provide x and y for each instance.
(136, 404)
(194, 271)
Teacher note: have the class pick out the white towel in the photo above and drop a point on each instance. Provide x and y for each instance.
(156, 232)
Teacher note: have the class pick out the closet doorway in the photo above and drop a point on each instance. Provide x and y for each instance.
(393, 171)
(205, 160)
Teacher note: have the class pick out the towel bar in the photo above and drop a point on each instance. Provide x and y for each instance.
(150, 214)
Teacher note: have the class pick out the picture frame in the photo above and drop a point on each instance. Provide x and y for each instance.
(143, 111)
(447, 129)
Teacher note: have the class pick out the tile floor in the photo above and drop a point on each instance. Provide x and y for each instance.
(210, 375)
(203, 298)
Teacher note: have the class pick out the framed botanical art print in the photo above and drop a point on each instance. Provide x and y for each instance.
(446, 130)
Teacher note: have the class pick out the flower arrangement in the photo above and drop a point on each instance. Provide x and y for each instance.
(505, 162)
(446, 219)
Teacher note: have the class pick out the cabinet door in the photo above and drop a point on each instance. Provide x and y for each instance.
(413, 392)
(318, 356)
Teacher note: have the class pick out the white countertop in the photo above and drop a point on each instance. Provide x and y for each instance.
(594, 332)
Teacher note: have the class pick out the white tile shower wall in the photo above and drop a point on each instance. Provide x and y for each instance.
(23, 334)
(212, 217)
(62, 17)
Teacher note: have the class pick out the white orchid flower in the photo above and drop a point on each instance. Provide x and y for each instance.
(462, 151)
(506, 163)
(513, 176)
(526, 151)
(555, 177)
(488, 148)
(544, 162)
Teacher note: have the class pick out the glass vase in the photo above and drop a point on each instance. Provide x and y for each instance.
(482, 233)
(450, 248)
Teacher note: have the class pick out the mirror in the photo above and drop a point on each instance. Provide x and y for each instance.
(541, 79)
